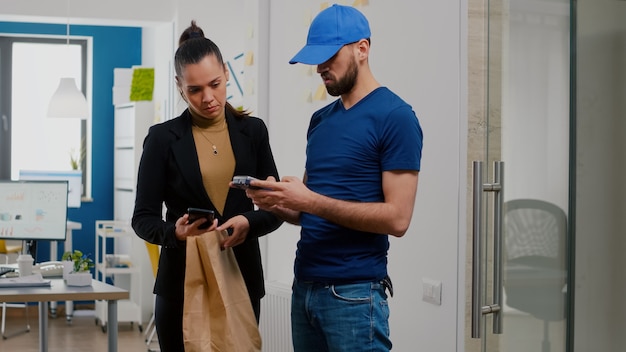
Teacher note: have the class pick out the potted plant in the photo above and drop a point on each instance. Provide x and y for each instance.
(78, 273)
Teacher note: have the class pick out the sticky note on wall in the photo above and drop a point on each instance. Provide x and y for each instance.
(249, 59)
(142, 85)
(320, 93)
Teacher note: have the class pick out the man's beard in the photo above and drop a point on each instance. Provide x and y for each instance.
(346, 83)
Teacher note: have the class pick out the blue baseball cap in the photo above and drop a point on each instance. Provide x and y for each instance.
(330, 30)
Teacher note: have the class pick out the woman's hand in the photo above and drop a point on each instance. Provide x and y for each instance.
(185, 229)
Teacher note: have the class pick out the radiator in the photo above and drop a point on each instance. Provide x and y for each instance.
(275, 323)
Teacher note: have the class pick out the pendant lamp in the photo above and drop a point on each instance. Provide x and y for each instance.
(67, 100)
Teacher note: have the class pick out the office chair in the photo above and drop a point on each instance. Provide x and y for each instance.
(535, 234)
(8, 250)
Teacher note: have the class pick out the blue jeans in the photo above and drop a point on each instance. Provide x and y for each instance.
(339, 318)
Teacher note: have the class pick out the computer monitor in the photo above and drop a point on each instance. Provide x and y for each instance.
(33, 210)
(73, 177)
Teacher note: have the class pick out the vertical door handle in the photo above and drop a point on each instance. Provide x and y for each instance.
(498, 187)
(477, 285)
(477, 215)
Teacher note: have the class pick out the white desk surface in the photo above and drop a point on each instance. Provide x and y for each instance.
(59, 291)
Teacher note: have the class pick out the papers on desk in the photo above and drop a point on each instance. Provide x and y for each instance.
(34, 280)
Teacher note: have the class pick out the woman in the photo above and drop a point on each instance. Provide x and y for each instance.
(188, 162)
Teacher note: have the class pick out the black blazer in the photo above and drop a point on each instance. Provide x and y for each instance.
(169, 172)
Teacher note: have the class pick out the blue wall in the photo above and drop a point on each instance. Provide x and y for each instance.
(113, 47)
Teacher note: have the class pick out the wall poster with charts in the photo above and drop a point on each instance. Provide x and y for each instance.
(33, 210)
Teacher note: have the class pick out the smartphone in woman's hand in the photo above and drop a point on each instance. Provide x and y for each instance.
(198, 213)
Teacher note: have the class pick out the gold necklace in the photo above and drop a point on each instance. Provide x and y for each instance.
(207, 138)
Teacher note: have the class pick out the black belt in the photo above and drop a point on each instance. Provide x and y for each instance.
(388, 285)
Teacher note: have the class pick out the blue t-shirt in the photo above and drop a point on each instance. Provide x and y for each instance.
(347, 151)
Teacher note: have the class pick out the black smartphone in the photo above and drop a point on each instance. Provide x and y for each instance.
(198, 213)
(243, 182)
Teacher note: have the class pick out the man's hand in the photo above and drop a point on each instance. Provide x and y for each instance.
(285, 198)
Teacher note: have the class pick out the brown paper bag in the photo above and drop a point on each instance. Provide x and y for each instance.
(217, 313)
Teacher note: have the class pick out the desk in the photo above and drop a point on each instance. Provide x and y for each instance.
(67, 247)
(58, 291)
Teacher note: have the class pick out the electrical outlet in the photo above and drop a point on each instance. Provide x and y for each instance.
(431, 291)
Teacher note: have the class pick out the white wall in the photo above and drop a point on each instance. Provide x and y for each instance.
(158, 46)
(220, 21)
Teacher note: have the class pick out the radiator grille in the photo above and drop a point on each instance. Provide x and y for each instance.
(275, 323)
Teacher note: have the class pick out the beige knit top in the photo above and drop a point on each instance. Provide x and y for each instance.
(215, 154)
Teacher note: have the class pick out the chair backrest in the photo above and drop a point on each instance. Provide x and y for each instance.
(535, 240)
(153, 253)
(535, 229)
(7, 250)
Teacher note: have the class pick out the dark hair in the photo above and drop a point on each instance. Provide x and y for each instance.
(193, 46)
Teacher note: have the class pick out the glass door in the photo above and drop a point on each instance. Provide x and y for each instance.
(519, 149)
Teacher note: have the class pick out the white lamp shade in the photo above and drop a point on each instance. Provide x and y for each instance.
(68, 101)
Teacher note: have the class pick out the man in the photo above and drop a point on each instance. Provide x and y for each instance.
(363, 158)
